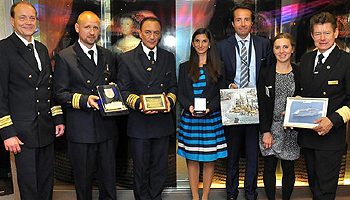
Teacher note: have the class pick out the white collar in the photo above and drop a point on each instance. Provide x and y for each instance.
(26, 41)
(326, 53)
(147, 50)
(239, 38)
(85, 49)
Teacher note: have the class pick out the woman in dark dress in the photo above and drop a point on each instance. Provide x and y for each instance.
(275, 84)
(201, 136)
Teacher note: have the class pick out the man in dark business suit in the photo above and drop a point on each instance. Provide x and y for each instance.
(242, 64)
(27, 114)
(148, 69)
(91, 137)
(325, 73)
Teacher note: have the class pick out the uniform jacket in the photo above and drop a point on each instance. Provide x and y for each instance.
(26, 107)
(227, 50)
(134, 79)
(332, 82)
(75, 78)
(266, 99)
(211, 92)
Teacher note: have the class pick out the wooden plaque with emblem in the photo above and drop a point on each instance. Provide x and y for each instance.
(111, 102)
(153, 102)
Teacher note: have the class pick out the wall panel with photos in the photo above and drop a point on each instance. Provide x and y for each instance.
(180, 18)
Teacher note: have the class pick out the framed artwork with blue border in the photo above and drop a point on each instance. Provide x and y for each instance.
(302, 112)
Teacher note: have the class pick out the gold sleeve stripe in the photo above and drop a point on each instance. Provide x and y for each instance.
(172, 97)
(56, 110)
(131, 100)
(75, 100)
(344, 112)
(5, 121)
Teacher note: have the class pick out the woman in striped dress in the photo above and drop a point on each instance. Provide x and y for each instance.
(201, 136)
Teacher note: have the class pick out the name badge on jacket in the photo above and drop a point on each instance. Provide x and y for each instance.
(267, 90)
(335, 82)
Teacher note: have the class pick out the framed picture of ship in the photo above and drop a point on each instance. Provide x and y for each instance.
(302, 112)
(239, 106)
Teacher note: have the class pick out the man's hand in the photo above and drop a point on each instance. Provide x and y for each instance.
(167, 104)
(147, 112)
(59, 130)
(267, 140)
(13, 144)
(233, 86)
(92, 101)
(324, 126)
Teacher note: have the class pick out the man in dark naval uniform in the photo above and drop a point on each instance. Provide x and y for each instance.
(27, 114)
(148, 69)
(325, 73)
(91, 137)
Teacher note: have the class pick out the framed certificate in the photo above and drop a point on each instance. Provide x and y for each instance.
(302, 112)
(111, 102)
(153, 102)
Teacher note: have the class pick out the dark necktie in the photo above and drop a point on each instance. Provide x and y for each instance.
(31, 49)
(319, 64)
(151, 55)
(91, 52)
(244, 65)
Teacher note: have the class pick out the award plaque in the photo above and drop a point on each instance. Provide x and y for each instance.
(153, 102)
(111, 102)
(200, 106)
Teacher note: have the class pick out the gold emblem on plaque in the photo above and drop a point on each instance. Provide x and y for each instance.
(149, 69)
(109, 92)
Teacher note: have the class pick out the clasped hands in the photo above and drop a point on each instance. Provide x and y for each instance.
(191, 109)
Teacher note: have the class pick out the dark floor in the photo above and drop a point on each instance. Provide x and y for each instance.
(301, 193)
(5, 187)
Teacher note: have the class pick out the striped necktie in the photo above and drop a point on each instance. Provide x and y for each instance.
(244, 65)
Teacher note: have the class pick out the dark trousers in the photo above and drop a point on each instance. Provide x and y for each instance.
(323, 172)
(84, 159)
(288, 179)
(150, 157)
(35, 172)
(5, 166)
(237, 136)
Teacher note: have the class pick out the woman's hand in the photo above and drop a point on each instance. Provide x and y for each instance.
(267, 140)
(191, 109)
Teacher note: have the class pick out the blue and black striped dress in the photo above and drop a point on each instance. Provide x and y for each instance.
(201, 138)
